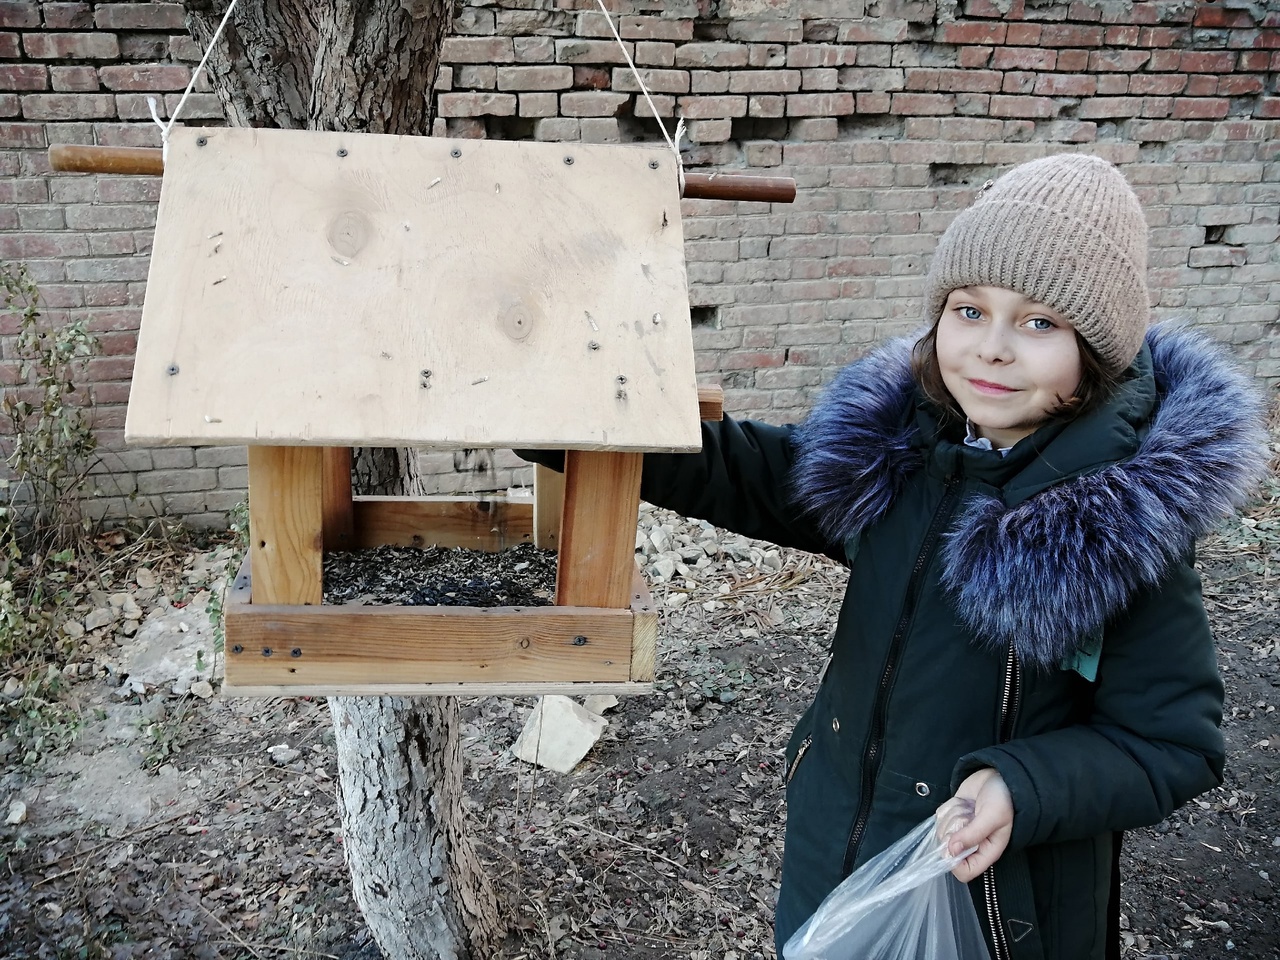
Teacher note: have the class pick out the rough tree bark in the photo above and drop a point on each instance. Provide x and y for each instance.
(369, 65)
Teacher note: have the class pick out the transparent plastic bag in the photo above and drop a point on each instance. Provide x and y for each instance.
(903, 904)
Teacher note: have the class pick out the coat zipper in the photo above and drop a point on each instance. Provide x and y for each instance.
(875, 742)
(1009, 702)
(800, 752)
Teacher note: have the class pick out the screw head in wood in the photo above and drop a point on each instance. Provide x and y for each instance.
(295, 652)
(455, 153)
(568, 161)
(237, 649)
(342, 152)
(202, 141)
(653, 164)
(171, 369)
(579, 641)
(266, 651)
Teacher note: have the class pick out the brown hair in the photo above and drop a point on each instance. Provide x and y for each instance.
(1096, 381)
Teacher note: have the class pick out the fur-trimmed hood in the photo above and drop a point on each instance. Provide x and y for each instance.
(1049, 571)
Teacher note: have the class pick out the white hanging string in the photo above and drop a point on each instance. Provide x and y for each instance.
(673, 144)
(151, 101)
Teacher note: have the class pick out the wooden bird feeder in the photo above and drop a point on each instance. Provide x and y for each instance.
(311, 292)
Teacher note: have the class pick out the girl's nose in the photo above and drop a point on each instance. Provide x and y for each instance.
(994, 347)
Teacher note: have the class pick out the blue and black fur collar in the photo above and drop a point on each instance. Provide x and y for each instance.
(1081, 547)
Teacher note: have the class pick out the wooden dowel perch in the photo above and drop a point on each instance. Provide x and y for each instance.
(149, 161)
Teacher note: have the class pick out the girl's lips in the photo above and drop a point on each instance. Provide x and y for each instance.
(983, 386)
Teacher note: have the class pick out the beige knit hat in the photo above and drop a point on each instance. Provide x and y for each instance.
(1067, 231)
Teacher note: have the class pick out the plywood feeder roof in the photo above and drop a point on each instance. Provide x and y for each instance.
(353, 289)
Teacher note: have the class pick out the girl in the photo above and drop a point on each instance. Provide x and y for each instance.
(1017, 495)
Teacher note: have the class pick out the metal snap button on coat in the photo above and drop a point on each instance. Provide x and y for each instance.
(835, 724)
(922, 789)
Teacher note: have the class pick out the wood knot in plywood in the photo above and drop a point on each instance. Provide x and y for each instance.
(349, 233)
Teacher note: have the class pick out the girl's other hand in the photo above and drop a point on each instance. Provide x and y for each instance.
(990, 827)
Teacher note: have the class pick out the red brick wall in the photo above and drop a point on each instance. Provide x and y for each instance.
(888, 114)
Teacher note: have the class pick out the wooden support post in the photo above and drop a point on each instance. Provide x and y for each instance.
(339, 517)
(286, 524)
(548, 506)
(598, 530)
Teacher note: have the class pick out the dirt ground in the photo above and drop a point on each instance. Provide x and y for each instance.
(174, 826)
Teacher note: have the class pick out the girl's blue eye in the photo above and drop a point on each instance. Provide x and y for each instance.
(1040, 323)
(971, 313)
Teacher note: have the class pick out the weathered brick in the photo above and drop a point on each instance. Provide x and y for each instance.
(535, 78)
(767, 55)
(1066, 85)
(1099, 108)
(74, 79)
(68, 106)
(199, 106)
(1112, 84)
(139, 16)
(1206, 108)
(1267, 108)
(928, 80)
(872, 78)
(817, 78)
(1240, 86)
(1207, 61)
(1018, 81)
(592, 51)
(1073, 61)
(114, 216)
(712, 108)
(71, 46)
(767, 31)
(1023, 35)
(822, 104)
(534, 49)
(10, 47)
(1038, 107)
(176, 481)
(763, 153)
(822, 55)
(1200, 85)
(592, 104)
(656, 81)
(710, 131)
(152, 76)
(765, 81)
(1123, 61)
(709, 81)
(973, 57)
(539, 105)
(19, 16)
(925, 104)
(1070, 35)
(477, 104)
(960, 32)
(664, 104)
(24, 76)
(655, 28)
(600, 130)
(814, 128)
(1020, 58)
(1160, 84)
(67, 16)
(876, 102)
(477, 50)
(653, 54)
(767, 106)
(873, 30)
(718, 55)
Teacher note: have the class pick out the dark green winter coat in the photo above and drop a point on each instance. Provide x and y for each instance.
(1038, 613)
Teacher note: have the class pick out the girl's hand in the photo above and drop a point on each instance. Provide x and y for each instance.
(990, 827)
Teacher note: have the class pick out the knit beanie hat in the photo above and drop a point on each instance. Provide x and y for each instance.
(1067, 231)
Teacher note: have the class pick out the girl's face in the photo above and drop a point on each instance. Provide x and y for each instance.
(1008, 361)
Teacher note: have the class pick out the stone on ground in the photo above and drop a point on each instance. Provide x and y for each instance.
(558, 734)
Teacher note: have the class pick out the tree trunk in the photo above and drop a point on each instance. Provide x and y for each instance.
(369, 66)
